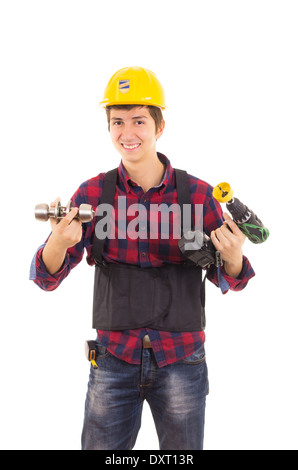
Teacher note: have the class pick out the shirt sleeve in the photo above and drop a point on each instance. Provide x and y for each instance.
(213, 218)
(38, 271)
(46, 281)
(221, 279)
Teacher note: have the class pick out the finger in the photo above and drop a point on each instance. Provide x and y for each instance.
(53, 222)
(58, 199)
(69, 217)
(230, 222)
(234, 234)
(215, 240)
(227, 231)
(220, 234)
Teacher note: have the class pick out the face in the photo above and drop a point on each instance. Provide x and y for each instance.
(134, 134)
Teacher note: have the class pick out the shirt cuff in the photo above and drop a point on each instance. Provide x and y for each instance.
(40, 275)
(227, 282)
(33, 270)
(52, 277)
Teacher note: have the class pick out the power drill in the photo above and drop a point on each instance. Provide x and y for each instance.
(198, 247)
(245, 218)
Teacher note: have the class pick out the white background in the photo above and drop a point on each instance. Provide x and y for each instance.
(229, 69)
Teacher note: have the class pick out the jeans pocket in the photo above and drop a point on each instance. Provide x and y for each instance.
(101, 351)
(198, 357)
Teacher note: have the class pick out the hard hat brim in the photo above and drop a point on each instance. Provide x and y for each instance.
(105, 103)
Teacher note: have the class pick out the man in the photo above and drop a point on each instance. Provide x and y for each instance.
(148, 301)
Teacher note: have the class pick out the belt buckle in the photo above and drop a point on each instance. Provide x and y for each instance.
(146, 342)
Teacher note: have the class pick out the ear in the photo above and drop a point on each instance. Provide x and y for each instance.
(160, 130)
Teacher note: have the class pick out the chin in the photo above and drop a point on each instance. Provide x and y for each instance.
(131, 157)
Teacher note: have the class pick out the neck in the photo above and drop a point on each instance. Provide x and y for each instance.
(146, 174)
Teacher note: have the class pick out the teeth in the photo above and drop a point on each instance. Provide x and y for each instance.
(130, 146)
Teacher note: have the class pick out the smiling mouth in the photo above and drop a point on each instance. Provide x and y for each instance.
(130, 147)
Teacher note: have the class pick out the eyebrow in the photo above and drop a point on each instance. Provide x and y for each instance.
(135, 117)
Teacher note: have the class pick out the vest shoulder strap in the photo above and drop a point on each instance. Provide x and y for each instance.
(108, 194)
(107, 197)
(183, 193)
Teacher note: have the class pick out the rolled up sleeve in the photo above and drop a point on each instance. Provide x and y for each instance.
(221, 279)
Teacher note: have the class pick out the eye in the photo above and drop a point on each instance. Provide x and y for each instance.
(117, 123)
(139, 122)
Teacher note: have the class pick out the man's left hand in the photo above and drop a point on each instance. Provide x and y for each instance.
(229, 243)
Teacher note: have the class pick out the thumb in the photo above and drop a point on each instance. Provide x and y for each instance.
(53, 204)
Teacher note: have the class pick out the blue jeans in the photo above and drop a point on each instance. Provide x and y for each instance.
(175, 393)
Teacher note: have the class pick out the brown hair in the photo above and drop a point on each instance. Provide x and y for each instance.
(154, 111)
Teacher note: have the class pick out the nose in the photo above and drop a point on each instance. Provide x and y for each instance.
(128, 133)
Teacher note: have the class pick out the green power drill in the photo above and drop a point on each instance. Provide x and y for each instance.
(198, 247)
(245, 218)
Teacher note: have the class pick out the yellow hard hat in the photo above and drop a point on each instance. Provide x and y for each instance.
(134, 85)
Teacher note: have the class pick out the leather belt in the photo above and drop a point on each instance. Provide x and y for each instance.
(146, 342)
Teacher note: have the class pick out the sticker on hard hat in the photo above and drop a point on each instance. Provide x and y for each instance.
(124, 86)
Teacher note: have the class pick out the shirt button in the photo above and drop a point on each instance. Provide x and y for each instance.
(143, 254)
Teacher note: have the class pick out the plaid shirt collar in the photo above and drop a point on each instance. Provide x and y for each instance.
(168, 177)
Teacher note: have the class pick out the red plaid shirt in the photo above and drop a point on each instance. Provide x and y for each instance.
(151, 251)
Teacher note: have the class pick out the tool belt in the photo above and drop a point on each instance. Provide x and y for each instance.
(169, 298)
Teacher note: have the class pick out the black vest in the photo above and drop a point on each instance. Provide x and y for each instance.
(169, 298)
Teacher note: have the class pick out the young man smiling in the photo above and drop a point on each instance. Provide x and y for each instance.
(134, 135)
(148, 301)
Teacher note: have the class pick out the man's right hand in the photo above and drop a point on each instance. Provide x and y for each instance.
(68, 232)
(65, 234)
